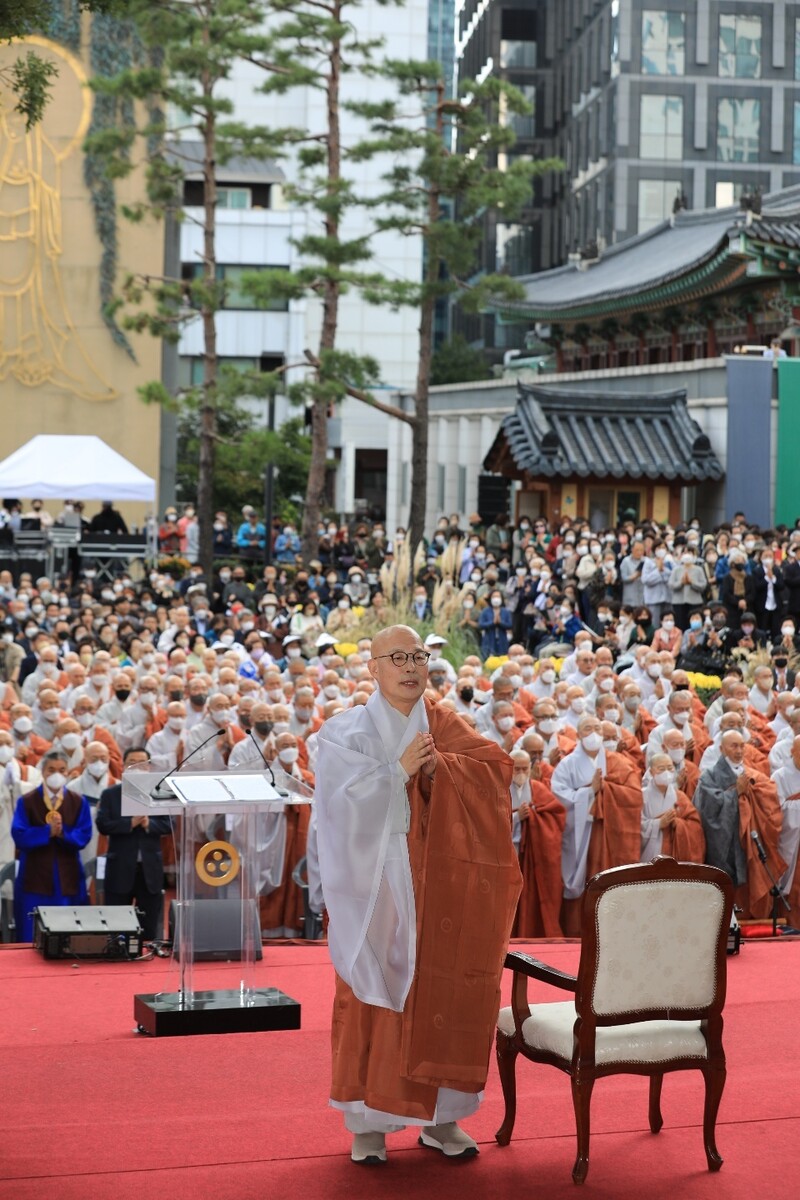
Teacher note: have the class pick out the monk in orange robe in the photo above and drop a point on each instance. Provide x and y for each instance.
(541, 828)
(421, 882)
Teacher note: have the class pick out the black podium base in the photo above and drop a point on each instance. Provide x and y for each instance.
(163, 1015)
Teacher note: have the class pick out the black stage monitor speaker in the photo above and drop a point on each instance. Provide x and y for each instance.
(218, 929)
(110, 931)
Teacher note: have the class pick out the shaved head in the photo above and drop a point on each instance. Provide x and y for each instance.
(385, 640)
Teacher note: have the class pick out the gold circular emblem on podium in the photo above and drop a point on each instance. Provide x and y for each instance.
(217, 863)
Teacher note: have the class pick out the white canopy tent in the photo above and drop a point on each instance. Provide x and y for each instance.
(73, 467)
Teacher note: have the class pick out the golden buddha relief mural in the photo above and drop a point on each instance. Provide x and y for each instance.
(42, 340)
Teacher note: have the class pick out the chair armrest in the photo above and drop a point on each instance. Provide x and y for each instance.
(523, 964)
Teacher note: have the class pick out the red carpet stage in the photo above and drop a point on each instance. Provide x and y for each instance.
(92, 1110)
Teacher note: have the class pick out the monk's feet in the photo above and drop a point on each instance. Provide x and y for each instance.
(369, 1149)
(449, 1140)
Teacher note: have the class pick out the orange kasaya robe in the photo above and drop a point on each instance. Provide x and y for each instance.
(630, 747)
(616, 837)
(646, 726)
(762, 735)
(284, 908)
(691, 774)
(756, 759)
(467, 882)
(540, 859)
(685, 840)
(760, 809)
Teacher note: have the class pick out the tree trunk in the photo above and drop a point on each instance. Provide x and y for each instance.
(208, 411)
(419, 452)
(315, 488)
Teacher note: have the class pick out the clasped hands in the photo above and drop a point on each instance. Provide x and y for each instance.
(419, 755)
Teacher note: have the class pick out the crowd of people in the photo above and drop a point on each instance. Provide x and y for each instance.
(580, 652)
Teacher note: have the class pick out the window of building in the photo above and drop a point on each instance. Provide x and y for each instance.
(190, 370)
(524, 124)
(726, 193)
(739, 47)
(231, 274)
(656, 197)
(663, 43)
(661, 127)
(796, 134)
(738, 124)
(234, 197)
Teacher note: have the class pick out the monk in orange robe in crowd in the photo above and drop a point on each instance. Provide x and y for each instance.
(541, 827)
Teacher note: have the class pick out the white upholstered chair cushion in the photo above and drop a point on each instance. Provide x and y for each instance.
(638, 967)
(549, 1027)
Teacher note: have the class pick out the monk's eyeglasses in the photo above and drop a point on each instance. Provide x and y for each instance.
(400, 658)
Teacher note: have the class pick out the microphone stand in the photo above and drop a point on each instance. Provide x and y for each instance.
(775, 891)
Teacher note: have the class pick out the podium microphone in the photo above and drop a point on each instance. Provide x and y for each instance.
(263, 759)
(762, 854)
(159, 792)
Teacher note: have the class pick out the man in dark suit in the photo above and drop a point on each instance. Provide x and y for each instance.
(782, 675)
(134, 866)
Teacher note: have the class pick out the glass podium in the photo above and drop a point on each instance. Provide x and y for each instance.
(229, 847)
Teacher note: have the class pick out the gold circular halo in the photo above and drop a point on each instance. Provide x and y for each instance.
(217, 863)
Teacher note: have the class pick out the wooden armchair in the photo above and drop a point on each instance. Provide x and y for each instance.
(648, 996)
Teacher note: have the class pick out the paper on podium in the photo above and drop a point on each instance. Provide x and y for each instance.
(221, 789)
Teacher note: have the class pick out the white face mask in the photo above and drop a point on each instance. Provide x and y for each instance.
(85, 720)
(516, 680)
(547, 676)
(289, 755)
(23, 725)
(51, 715)
(592, 741)
(6, 754)
(505, 723)
(275, 695)
(610, 743)
(680, 718)
(176, 724)
(677, 756)
(606, 685)
(612, 714)
(221, 716)
(97, 769)
(280, 727)
(331, 690)
(56, 781)
(668, 625)
(578, 706)
(71, 741)
(787, 630)
(663, 779)
(147, 699)
(632, 704)
(654, 670)
(229, 689)
(497, 601)
(293, 652)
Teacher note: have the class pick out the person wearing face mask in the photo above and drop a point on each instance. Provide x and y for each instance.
(737, 589)
(28, 746)
(47, 712)
(541, 820)
(769, 593)
(783, 677)
(51, 826)
(670, 822)
(668, 636)
(495, 623)
(165, 747)
(282, 909)
(95, 777)
(109, 714)
(218, 719)
(732, 802)
(602, 795)
(85, 713)
(656, 574)
(143, 717)
(134, 861)
(576, 707)
(341, 619)
(609, 710)
(687, 584)
(15, 779)
(501, 729)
